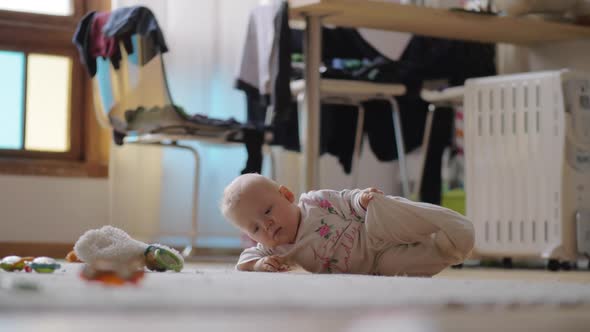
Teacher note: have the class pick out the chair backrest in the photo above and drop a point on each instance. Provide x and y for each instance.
(134, 84)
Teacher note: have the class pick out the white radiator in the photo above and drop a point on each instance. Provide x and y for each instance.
(527, 149)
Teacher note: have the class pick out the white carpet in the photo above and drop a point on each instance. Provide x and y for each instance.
(219, 289)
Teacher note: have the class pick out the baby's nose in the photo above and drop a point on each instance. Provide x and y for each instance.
(269, 224)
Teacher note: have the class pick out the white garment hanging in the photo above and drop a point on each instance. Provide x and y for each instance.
(255, 66)
(390, 44)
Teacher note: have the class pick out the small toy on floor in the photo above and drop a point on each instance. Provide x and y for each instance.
(113, 245)
(42, 265)
(29, 264)
(14, 263)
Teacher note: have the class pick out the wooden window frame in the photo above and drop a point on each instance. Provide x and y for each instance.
(89, 143)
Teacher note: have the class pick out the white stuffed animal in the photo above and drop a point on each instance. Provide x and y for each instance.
(114, 245)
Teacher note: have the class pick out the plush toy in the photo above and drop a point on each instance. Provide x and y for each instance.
(111, 244)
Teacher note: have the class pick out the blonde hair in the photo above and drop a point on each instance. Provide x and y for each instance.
(232, 193)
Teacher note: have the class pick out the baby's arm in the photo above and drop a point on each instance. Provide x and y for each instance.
(250, 256)
(359, 199)
(247, 266)
(366, 196)
(260, 259)
(344, 202)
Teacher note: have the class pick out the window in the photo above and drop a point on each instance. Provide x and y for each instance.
(46, 122)
(51, 7)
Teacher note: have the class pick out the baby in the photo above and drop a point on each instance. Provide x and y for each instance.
(348, 231)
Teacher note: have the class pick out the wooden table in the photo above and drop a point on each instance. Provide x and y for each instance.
(402, 18)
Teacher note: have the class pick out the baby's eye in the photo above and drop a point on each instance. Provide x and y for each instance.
(268, 210)
(255, 230)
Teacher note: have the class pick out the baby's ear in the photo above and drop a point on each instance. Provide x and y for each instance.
(287, 193)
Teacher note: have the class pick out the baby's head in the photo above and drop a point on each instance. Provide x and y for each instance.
(261, 208)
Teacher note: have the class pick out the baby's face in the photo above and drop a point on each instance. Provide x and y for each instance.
(267, 214)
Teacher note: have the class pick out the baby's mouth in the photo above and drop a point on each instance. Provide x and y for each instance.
(276, 232)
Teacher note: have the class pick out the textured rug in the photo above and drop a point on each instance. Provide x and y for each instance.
(215, 289)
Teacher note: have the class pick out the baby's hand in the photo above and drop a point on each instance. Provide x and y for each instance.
(271, 264)
(367, 196)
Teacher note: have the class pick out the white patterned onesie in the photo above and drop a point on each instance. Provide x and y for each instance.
(395, 236)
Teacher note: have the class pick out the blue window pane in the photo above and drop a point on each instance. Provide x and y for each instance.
(12, 67)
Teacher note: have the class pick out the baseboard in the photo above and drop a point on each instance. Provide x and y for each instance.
(55, 250)
(60, 250)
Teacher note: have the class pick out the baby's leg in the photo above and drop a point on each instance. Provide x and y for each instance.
(397, 221)
(422, 259)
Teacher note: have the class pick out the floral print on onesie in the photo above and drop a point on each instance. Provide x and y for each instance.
(331, 236)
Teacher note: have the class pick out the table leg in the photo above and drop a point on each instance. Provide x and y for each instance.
(311, 122)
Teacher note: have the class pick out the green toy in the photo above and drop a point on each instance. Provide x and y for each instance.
(42, 265)
(14, 263)
(160, 258)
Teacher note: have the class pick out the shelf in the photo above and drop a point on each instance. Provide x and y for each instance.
(436, 22)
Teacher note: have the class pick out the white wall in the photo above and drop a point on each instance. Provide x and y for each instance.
(50, 209)
(568, 54)
(572, 54)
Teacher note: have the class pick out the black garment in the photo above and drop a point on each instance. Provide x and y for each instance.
(441, 136)
(337, 133)
(82, 41)
(281, 99)
(423, 59)
(442, 59)
(285, 120)
(339, 122)
(253, 140)
(256, 104)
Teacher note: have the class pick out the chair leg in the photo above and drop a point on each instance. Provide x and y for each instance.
(358, 136)
(425, 145)
(189, 250)
(309, 138)
(273, 170)
(401, 151)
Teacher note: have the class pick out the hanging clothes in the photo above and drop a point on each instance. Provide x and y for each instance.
(99, 34)
(136, 20)
(82, 41)
(423, 59)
